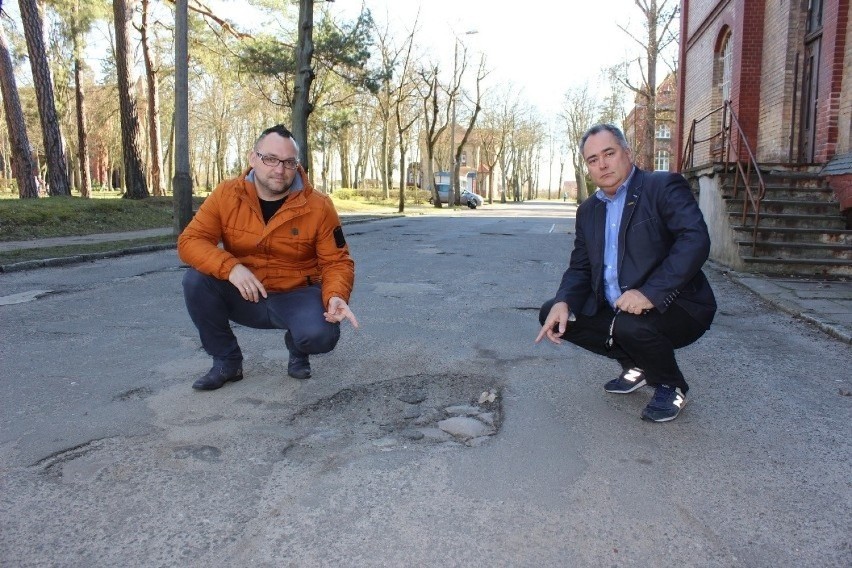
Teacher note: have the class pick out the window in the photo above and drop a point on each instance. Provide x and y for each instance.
(661, 160)
(464, 158)
(726, 56)
(664, 131)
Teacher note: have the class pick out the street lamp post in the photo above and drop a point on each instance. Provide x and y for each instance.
(451, 197)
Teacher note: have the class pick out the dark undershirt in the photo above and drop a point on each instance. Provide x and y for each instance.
(268, 208)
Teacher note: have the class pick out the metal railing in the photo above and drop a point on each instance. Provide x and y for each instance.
(731, 140)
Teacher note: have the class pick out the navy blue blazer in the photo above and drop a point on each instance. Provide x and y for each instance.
(662, 244)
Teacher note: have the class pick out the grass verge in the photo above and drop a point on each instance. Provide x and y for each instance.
(24, 255)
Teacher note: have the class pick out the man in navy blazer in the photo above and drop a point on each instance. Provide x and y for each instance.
(634, 290)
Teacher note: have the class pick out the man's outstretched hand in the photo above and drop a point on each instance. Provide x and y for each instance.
(559, 314)
(338, 310)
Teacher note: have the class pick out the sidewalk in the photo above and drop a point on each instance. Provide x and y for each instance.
(826, 304)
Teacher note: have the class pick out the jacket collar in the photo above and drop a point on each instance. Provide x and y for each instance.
(304, 191)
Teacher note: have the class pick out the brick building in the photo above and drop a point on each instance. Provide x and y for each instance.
(665, 126)
(785, 66)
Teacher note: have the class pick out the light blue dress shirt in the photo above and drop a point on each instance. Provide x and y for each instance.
(614, 211)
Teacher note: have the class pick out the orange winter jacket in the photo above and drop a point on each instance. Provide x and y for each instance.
(303, 243)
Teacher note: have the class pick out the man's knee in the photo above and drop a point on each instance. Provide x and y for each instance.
(316, 339)
(631, 328)
(194, 281)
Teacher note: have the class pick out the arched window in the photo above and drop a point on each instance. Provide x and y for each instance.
(464, 157)
(726, 62)
(661, 160)
(664, 131)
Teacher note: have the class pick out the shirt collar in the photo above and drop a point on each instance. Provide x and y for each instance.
(620, 191)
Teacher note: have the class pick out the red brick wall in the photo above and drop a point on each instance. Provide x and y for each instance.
(844, 135)
(782, 39)
(842, 186)
(835, 18)
(767, 35)
(748, 60)
(699, 46)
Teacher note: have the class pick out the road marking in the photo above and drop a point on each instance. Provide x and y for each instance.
(22, 297)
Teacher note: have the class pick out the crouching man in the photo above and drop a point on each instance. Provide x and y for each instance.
(283, 264)
(634, 290)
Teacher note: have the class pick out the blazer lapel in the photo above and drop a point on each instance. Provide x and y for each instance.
(634, 193)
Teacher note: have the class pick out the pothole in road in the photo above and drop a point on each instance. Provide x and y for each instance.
(412, 412)
(461, 410)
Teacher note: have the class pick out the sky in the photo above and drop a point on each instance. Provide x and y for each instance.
(538, 48)
(541, 47)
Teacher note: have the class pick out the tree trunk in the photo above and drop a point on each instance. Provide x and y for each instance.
(80, 99)
(23, 166)
(402, 179)
(343, 148)
(57, 172)
(134, 171)
(302, 106)
(650, 134)
(182, 182)
(153, 108)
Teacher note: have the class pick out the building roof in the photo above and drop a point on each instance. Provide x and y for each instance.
(838, 165)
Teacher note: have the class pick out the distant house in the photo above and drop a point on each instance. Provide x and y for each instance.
(665, 125)
(765, 87)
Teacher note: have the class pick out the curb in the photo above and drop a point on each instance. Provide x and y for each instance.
(827, 327)
(80, 258)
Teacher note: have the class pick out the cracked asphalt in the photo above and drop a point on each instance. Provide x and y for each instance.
(108, 457)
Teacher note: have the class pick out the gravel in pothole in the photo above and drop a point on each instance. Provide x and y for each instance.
(461, 410)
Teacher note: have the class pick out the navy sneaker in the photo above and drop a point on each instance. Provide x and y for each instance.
(629, 381)
(299, 366)
(217, 377)
(667, 403)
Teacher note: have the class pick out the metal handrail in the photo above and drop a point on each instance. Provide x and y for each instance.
(743, 164)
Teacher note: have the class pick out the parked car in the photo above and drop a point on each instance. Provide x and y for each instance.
(470, 199)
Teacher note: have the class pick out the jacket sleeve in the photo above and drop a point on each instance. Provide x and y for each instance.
(198, 244)
(336, 265)
(690, 248)
(576, 284)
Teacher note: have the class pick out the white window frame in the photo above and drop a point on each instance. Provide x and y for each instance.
(662, 160)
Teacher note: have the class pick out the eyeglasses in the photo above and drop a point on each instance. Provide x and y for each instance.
(272, 161)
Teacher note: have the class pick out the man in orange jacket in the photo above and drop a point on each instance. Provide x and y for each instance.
(283, 264)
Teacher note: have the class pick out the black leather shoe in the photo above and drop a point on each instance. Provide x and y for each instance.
(216, 378)
(299, 367)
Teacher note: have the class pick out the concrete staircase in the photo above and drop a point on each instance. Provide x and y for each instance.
(801, 230)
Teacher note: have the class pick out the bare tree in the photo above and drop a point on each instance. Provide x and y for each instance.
(23, 164)
(134, 169)
(385, 100)
(57, 169)
(405, 112)
(151, 72)
(476, 101)
(302, 106)
(78, 38)
(435, 124)
(492, 140)
(658, 17)
(578, 112)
